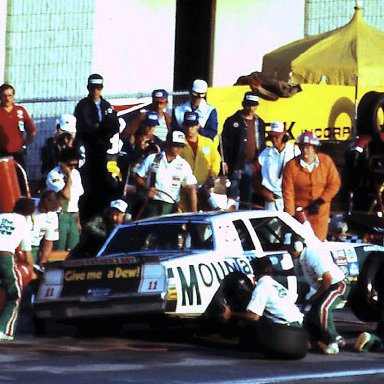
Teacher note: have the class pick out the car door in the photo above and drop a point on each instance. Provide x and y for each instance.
(265, 237)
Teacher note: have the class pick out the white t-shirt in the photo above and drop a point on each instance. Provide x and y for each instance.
(56, 182)
(14, 229)
(272, 163)
(44, 225)
(169, 176)
(315, 262)
(273, 300)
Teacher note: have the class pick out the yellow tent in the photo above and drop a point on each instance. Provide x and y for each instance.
(349, 55)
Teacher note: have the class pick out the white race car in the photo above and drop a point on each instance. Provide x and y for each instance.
(175, 265)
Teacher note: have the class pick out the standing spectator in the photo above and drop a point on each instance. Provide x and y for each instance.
(97, 123)
(158, 105)
(310, 181)
(269, 167)
(197, 103)
(200, 152)
(202, 155)
(17, 129)
(96, 231)
(15, 230)
(64, 136)
(243, 139)
(330, 288)
(162, 175)
(45, 226)
(65, 179)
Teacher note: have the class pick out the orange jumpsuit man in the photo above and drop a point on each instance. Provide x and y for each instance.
(310, 181)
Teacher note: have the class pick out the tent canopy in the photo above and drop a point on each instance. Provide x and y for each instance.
(344, 56)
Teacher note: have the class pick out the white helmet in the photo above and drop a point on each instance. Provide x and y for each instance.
(308, 137)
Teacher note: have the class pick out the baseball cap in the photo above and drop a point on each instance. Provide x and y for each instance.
(95, 80)
(67, 123)
(191, 118)
(151, 119)
(200, 87)
(160, 95)
(277, 128)
(176, 138)
(251, 98)
(119, 204)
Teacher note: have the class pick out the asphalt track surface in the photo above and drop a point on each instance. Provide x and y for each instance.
(144, 355)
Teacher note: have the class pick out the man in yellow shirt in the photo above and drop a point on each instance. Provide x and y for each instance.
(202, 155)
(200, 152)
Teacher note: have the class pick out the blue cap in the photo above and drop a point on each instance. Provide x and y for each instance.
(151, 119)
(191, 118)
(160, 95)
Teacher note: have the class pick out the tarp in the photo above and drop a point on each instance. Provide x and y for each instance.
(349, 55)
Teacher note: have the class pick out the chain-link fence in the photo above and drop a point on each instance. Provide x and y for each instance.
(45, 113)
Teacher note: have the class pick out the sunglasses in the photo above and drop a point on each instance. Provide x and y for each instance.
(200, 95)
(73, 165)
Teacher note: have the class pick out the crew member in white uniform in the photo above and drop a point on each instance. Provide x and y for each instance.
(45, 226)
(270, 299)
(66, 179)
(330, 288)
(15, 230)
(162, 175)
(269, 167)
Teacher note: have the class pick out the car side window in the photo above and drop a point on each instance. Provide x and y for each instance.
(244, 235)
(271, 232)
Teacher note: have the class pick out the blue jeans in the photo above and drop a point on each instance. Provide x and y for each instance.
(242, 186)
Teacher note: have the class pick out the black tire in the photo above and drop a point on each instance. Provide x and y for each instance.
(236, 291)
(367, 112)
(273, 340)
(363, 296)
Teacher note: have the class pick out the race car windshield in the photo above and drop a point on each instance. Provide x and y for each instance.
(164, 236)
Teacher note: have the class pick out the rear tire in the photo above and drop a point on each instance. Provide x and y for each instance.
(274, 340)
(363, 297)
(367, 114)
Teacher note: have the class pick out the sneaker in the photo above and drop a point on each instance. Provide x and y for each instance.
(362, 342)
(328, 349)
(5, 337)
(340, 341)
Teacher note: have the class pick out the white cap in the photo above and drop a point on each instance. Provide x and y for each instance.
(277, 128)
(199, 86)
(67, 123)
(178, 138)
(120, 205)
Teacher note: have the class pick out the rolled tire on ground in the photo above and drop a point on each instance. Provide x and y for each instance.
(363, 296)
(273, 340)
(368, 109)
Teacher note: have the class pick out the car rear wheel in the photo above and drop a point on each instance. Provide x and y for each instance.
(363, 297)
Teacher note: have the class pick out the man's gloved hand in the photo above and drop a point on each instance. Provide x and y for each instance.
(313, 208)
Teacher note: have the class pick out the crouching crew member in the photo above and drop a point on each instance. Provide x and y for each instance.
(331, 288)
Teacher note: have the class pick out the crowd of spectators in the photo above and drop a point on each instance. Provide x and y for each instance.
(168, 162)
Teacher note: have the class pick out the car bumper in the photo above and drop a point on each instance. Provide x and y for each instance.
(122, 307)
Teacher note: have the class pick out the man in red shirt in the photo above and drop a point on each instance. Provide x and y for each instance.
(17, 129)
